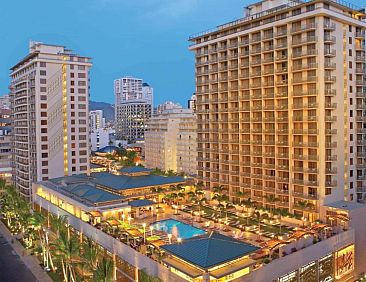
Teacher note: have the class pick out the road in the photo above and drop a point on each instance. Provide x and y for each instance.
(12, 268)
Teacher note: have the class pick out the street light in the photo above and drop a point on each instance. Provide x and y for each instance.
(151, 229)
(179, 240)
(123, 218)
(170, 238)
(144, 226)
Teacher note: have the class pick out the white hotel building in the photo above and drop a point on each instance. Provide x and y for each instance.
(49, 103)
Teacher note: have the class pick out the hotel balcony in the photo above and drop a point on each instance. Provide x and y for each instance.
(329, 39)
(308, 53)
(329, 52)
(360, 35)
(304, 40)
(302, 28)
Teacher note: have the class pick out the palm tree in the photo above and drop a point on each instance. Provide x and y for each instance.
(89, 256)
(271, 199)
(104, 271)
(259, 217)
(281, 213)
(58, 223)
(66, 250)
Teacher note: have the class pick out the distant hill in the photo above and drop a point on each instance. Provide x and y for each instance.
(108, 109)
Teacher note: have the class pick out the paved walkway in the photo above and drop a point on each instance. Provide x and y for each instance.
(29, 261)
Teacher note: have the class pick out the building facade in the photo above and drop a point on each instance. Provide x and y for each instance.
(170, 141)
(49, 103)
(96, 120)
(5, 102)
(168, 105)
(5, 145)
(280, 105)
(134, 105)
(192, 102)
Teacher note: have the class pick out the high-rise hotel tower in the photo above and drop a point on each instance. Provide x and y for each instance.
(49, 103)
(281, 105)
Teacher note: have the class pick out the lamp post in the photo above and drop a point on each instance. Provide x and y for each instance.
(170, 238)
(179, 240)
(151, 229)
(144, 226)
(129, 220)
(123, 218)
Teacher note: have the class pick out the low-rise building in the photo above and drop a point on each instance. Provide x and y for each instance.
(170, 142)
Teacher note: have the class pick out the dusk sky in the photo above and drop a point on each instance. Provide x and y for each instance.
(142, 38)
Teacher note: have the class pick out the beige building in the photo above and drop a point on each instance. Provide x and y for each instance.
(170, 141)
(280, 104)
(49, 102)
(5, 145)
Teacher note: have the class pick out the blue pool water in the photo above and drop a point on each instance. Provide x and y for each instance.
(177, 228)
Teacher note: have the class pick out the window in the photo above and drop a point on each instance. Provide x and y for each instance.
(81, 67)
(43, 97)
(45, 171)
(81, 75)
(72, 75)
(42, 64)
(43, 130)
(43, 114)
(42, 72)
(44, 163)
(350, 40)
(350, 52)
(83, 167)
(43, 122)
(44, 155)
(43, 89)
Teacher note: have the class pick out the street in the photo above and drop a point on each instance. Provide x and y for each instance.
(12, 268)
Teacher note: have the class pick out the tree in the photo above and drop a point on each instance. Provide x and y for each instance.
(104, 271)
(89, 256)
(66, 250)
(220, 197)
(271, 199)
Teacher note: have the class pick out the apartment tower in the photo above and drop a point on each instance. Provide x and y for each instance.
(170, 141)
(49, 103)
(281, 105)
(133, 107)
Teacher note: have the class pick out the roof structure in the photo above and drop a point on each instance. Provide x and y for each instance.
(108, 149)
(345, 205)
(124, 182)
(86, 193)
(141, 203)
(210, 250)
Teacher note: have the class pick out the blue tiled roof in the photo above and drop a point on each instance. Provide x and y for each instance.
(210, 250)
(123, 182)
(134, 169)
(141, 203)
(108, 149)
(87, 194)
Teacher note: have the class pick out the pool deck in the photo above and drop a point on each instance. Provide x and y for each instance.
(187, 218)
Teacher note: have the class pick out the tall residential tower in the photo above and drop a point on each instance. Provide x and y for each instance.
(134, 105)
(49, 103)
(281, 105)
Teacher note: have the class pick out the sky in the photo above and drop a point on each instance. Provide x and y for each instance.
(147, 39)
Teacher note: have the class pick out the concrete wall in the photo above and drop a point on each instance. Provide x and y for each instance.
(284, 265)
(123, 251)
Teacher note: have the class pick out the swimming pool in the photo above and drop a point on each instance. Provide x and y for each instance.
(178, 228)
